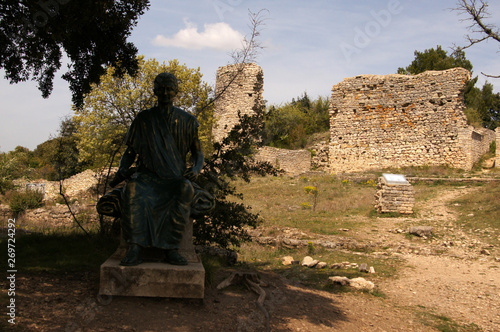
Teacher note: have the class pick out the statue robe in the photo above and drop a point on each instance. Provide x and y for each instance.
(157, 199)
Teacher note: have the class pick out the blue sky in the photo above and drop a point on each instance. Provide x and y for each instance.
(309, 46)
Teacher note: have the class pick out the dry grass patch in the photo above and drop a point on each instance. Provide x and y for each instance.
(284, 202)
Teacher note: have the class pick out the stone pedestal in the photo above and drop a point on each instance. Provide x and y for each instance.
(154, 278)
(394, 194)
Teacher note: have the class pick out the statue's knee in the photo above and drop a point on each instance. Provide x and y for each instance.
(186, 191)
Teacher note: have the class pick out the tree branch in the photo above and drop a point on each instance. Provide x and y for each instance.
(477, 12)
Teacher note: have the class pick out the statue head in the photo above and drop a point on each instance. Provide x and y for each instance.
(165, 87)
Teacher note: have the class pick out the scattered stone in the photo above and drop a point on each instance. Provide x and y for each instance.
(497, 259)
(361, 284)
(287, 260)
(336, 266)
(489, 163)
(306, 261)
(372, 269)
(321, 265)
(363, 268)
(485, 252)
(421, 231)
(337, 280)
(313, 263)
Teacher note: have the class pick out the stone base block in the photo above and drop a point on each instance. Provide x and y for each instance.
(152, 279)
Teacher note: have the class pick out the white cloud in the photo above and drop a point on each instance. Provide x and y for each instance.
(217, 36)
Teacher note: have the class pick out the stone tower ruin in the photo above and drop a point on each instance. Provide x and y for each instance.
(241, 88)
(402, 120)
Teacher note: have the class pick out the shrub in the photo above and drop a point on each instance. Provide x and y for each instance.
(21, 201)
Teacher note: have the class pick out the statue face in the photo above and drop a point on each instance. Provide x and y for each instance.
(165, 91)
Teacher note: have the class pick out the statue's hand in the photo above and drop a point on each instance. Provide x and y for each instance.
(191, 174)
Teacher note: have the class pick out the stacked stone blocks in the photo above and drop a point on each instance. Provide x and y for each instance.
(394, 197)
(240, 87)
(400, 120)
(292, 162)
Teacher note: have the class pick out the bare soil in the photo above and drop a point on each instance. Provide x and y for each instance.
(450, 279)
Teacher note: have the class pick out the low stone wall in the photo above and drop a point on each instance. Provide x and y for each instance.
(80, 185)
(481, 141)
(59, 215)
(293, 162)
(319, 161)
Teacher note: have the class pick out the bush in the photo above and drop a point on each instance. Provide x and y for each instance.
(21, 201)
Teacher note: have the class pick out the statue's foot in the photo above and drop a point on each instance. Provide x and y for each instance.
(172, 256)
(133, 256)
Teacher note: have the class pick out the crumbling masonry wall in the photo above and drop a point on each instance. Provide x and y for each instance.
(401, 120)
(293, 162)
(240, 87)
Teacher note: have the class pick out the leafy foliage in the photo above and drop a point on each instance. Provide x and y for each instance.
(483, 106)
(288, 126)
(21, 162)
(92, 33)
(58, 158)
(21, 201)
(232, 158)
(110, 107)
(435, 59)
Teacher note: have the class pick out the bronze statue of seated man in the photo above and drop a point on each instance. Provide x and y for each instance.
(156, 202)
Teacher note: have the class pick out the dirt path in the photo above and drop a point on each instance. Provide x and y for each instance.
(460, 282)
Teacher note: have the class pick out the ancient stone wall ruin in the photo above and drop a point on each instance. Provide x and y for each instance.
(293, 162)
(399, 120)
(240, 87)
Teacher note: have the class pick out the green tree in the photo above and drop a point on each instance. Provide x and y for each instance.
(483, 107)
(288, 126)
(58, 158)
(435, 59)
(110, 107)
(91, 33)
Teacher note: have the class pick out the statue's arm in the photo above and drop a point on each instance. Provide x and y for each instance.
(126, 162)
(197, 158)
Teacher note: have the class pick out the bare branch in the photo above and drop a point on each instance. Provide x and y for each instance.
(492, 76)
(249, 51)
(477, 12)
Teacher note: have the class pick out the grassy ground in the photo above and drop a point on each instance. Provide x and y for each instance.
(480, 212)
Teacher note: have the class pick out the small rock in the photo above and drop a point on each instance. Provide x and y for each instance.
(313, 263)
(321, 265)
(421, 231)
(489, 163)
(361, 284)
(485, 252)
(372, 269)
(306, 261)
(337, 280)
(287, 260)
(336, 266)
(363, 268)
